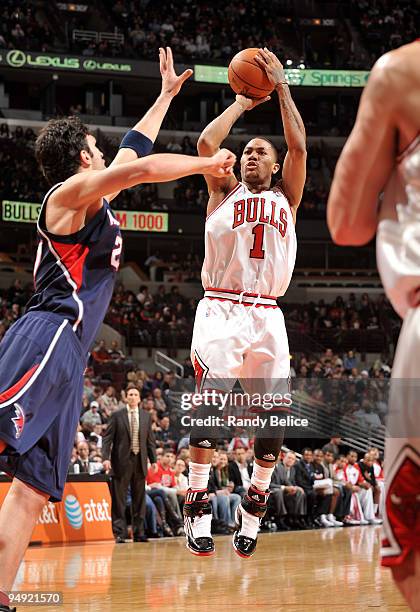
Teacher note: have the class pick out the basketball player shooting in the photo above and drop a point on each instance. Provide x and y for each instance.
(239, 331)
(382, 154)
(44, 354)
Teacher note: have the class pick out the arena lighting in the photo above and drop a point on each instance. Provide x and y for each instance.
(301, 66)
(289, 62)
(78, 8)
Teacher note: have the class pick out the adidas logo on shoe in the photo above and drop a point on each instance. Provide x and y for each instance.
(257, 497)
(269, 457)
(205, 443)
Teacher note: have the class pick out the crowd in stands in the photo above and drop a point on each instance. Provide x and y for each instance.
(12, 304)
(332, 321)
(24, 25)
(20, 178)
(385, 25)
(214, 31)
(163, 319)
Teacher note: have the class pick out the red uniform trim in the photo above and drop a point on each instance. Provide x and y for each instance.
(9, 393)
(73, 257)
(223, 201)
(243, 303)
(236, 292)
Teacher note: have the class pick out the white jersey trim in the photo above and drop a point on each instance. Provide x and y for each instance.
(39, 368)
(59, 262)
(69, 279)
(224, 200)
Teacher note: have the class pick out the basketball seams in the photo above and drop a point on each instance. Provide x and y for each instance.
(247, 82)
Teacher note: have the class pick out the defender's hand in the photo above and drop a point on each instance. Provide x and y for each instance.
(171, 83)
(250, 103)
(272, 66)
(222, 163)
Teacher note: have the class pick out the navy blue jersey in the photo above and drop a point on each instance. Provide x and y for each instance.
(74, 275)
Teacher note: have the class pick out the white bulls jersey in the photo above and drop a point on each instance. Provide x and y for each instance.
(250, 243)
(398, 242)
(353, 474)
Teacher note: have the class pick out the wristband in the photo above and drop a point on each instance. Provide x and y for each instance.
(137, 141)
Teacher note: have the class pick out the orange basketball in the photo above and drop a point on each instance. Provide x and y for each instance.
(246, 77)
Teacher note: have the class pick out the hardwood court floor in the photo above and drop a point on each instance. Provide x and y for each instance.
(329, 569)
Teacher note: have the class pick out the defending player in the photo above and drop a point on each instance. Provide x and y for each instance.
(44, 354)
(383, 153)
(239, 330)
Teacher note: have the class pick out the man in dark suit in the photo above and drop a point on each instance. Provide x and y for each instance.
(287, 496)
(83, 461)
(240, 472)
(127, 443)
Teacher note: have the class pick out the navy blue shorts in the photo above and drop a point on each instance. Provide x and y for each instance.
(41, 387)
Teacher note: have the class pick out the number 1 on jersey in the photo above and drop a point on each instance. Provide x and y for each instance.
(257, 251)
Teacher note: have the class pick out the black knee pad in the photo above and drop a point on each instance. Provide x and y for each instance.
(267, 449)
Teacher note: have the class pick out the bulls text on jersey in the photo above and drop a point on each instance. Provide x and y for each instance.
(257, 209)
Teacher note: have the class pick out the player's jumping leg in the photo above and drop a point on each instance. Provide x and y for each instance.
(18, 516)
(254, 505)
(197, 508)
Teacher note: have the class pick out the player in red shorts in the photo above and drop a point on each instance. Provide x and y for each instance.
(43, 355)
(383, 154)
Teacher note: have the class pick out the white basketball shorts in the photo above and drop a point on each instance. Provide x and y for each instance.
(244, 340)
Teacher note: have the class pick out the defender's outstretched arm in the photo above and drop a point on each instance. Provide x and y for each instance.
(150, 124)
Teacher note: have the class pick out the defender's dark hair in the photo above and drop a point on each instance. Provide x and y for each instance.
(58, 147)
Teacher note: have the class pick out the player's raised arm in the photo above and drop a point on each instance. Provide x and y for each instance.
(216, 132)
(365, 162)
(85, 189)
(294, 165)
(139, 141)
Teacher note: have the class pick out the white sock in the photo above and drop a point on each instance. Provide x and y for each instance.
(250, 525)
(261, 476)
(260, 479)
(198, 477)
